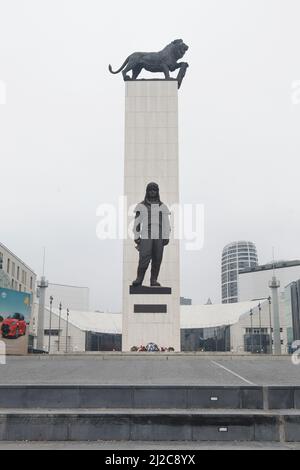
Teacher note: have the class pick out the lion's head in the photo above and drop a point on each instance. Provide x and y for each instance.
(179, 48)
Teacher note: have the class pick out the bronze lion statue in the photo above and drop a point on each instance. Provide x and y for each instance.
(164, 61)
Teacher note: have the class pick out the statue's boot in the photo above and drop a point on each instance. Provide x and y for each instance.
(154, 276)
(140, 277)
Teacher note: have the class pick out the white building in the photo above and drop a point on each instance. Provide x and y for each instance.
(254, 282)
(14, 273)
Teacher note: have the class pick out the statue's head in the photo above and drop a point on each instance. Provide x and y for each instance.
(152, 193)
(179, 48)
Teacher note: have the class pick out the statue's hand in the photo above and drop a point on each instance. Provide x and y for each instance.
(166, 242)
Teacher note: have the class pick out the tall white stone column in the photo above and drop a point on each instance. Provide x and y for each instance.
(274, 286)
(151, 154)
(42, 285)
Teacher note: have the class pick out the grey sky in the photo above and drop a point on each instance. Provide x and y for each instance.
(62, 130)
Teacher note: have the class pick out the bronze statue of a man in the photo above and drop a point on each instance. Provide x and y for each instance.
(151, 234)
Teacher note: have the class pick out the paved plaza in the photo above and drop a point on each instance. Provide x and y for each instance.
(156, 369)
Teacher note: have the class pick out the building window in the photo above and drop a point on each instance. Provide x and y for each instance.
(18, 273)
(233, 276)
(12, 284)
(8, 266)
(257, 331)
(13, 269)
(232, 266)
(224, 291)
(31, 283)
(232, 289)
(1, 260)
(20, 288)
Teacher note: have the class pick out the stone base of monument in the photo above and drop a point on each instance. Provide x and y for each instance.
(149, 413)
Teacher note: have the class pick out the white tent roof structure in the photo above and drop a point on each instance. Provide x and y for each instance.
(210, 316)
(192, 316)
(97, 322)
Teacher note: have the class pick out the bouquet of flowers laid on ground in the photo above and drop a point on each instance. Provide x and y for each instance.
(151, 347)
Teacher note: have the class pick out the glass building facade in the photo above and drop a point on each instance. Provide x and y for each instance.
(235, 257)
(103, 342)
(257, 341)
(206, 339)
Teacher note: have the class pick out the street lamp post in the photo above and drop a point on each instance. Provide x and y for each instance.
(59, 324)
(67, 330)
(270, 319)
(260, 328)
(50, 325)
(251, 318)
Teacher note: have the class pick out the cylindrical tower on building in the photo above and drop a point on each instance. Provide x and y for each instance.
(235, 257)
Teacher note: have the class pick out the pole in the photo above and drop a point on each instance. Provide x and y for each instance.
(42, 285)
(274, 286)
(251, 318)
(67, 331)
(270, 317)
(50, 325)
(59, 324)
(260, 332)
(44, 261)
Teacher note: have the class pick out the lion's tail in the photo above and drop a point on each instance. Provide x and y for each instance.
(121, 68)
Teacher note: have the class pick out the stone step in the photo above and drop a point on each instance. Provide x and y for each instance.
(151, 446)
(147, 396)
(150, 425)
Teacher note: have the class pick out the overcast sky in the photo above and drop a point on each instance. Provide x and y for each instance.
(62, 130)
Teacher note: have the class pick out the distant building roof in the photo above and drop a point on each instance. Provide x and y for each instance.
(271, 266)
